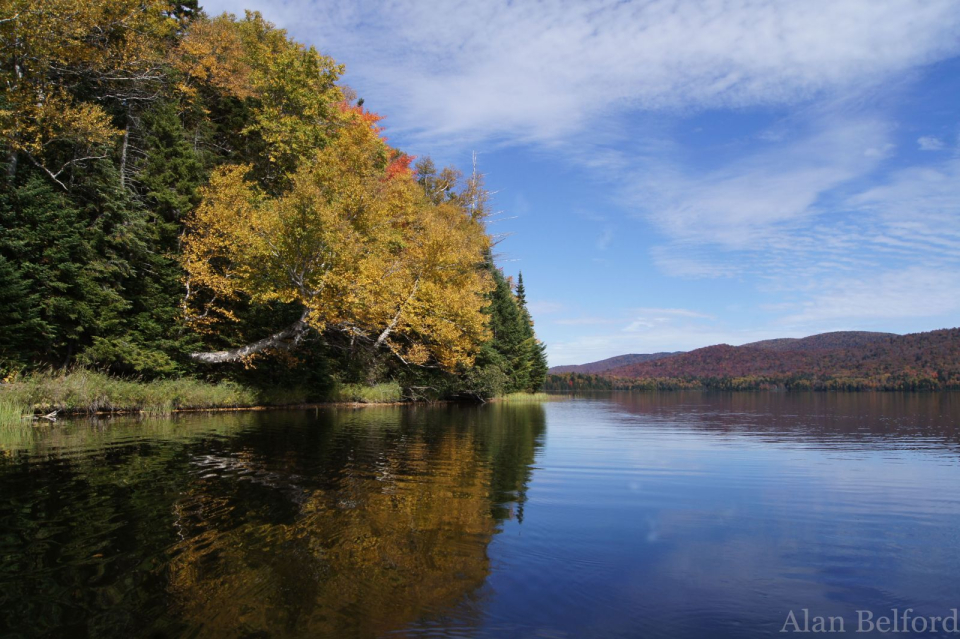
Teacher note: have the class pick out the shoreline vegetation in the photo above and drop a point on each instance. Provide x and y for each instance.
(82, 392)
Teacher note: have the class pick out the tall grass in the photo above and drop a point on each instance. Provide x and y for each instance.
(85, 391)
(12, 412)
(358, 393)
(529, 397)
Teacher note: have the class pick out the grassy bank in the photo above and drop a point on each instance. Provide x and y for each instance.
(358, 393)
(528, 397)
(84, 391)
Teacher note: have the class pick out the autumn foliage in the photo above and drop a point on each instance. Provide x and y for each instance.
(833, 361)
(352, 241)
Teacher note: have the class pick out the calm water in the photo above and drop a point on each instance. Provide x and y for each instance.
(634, 515)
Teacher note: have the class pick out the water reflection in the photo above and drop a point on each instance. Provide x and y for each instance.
(329, 523)
(930, 420)
(700, 514)
(618, 515)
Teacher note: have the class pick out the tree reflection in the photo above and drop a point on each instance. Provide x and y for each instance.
(378, 521)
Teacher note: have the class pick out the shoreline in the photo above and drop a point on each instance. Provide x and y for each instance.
(46, 397)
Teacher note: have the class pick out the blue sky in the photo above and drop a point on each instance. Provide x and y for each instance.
(674, 174)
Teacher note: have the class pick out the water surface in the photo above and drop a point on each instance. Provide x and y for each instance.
(623, 515)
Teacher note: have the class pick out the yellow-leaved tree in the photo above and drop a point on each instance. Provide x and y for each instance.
(354, 241)
(56, 49)
(290, 89)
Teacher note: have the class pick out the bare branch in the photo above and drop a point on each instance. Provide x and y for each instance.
(396, 318)
(285, 339)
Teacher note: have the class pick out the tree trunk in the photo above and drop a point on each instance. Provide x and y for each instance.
(12, 167)
(287, 338)
(123, 155)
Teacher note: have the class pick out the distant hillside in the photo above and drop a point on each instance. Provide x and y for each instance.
(610, 363)
(845, 360)
(838, 339)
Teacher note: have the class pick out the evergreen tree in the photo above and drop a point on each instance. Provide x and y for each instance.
(63, 261)
(535, 350)
(513, 359)
(21, 338)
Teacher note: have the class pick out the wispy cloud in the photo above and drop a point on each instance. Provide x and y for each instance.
(674, 312)
(646, 319)
(930, 143)
(604, 239)
(747, 201)
(913, 292)
(917, 210)
(585, 321)
(539, 71)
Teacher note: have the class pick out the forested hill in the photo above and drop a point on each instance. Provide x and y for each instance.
(834, 340)
(611, 362)
(833, 360)
(193, 195)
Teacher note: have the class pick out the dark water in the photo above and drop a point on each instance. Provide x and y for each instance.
(634, 515)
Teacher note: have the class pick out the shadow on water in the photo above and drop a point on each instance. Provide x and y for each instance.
(326, 522)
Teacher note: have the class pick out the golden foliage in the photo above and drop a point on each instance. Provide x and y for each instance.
(53, 46)
(355, 241)
(291, 87)
(212, 52)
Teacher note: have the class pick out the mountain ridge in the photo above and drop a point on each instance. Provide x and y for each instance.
(610, 362)
(828, 360)
(833, 339)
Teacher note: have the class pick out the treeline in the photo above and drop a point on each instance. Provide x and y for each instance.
(905, 381)
(193, 196)
(873, 361)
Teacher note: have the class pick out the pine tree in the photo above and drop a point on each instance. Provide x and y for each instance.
(64, 265)
(534, 349)
(21, 339)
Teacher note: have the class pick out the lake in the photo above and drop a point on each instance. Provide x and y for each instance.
(617, 515)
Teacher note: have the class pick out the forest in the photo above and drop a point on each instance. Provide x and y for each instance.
(188, 197)
(831, 361)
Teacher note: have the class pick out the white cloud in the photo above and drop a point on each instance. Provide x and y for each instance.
(749, 200)
(930, 143)
(653, 318)
(681, 259)
(539, 71)
(918, 210)
(674, 312)
(912, 292)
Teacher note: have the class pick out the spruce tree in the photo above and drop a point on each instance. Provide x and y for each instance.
(534, 351)
(63, 263)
